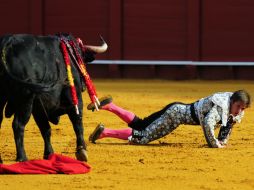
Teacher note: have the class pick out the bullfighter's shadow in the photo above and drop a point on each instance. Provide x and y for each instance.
(159, 144)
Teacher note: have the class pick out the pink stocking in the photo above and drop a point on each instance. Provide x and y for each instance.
(125, 115)
(116, 133)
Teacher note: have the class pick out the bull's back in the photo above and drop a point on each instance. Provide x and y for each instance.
(34, 59)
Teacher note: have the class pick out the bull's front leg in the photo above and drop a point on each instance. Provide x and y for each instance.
(77, 123)
(2, 104)
(21, 117)
(45, 130)
(41, 120)
(18, 130)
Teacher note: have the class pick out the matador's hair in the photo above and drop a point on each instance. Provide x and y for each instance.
(241, 95)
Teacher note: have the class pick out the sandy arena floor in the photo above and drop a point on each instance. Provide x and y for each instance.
(179, 161)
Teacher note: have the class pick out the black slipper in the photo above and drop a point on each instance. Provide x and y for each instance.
(103, 101)
(96, 133)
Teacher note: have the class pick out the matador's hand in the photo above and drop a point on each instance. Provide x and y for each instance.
(221, 145)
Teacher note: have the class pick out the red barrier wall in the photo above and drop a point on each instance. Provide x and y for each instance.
(195, 30)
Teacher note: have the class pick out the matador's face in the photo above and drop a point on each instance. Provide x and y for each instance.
(237, 107)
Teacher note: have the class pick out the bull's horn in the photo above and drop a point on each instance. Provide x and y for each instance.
(98, 49)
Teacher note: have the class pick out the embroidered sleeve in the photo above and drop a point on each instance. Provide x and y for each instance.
(225, 131)
(208, 124)
(223, 137)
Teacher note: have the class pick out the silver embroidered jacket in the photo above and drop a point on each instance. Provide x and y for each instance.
(212, 111)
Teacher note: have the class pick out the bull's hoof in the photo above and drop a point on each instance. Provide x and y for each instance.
(81, 155)
(21, 159)
(46, 156)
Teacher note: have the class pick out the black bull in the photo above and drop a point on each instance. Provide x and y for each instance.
(33, 80)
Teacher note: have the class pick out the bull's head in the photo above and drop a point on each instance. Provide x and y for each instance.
(89, 51)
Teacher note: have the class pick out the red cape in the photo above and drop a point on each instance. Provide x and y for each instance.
(56, 164)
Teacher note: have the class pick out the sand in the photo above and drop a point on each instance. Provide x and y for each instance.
(181, 160)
